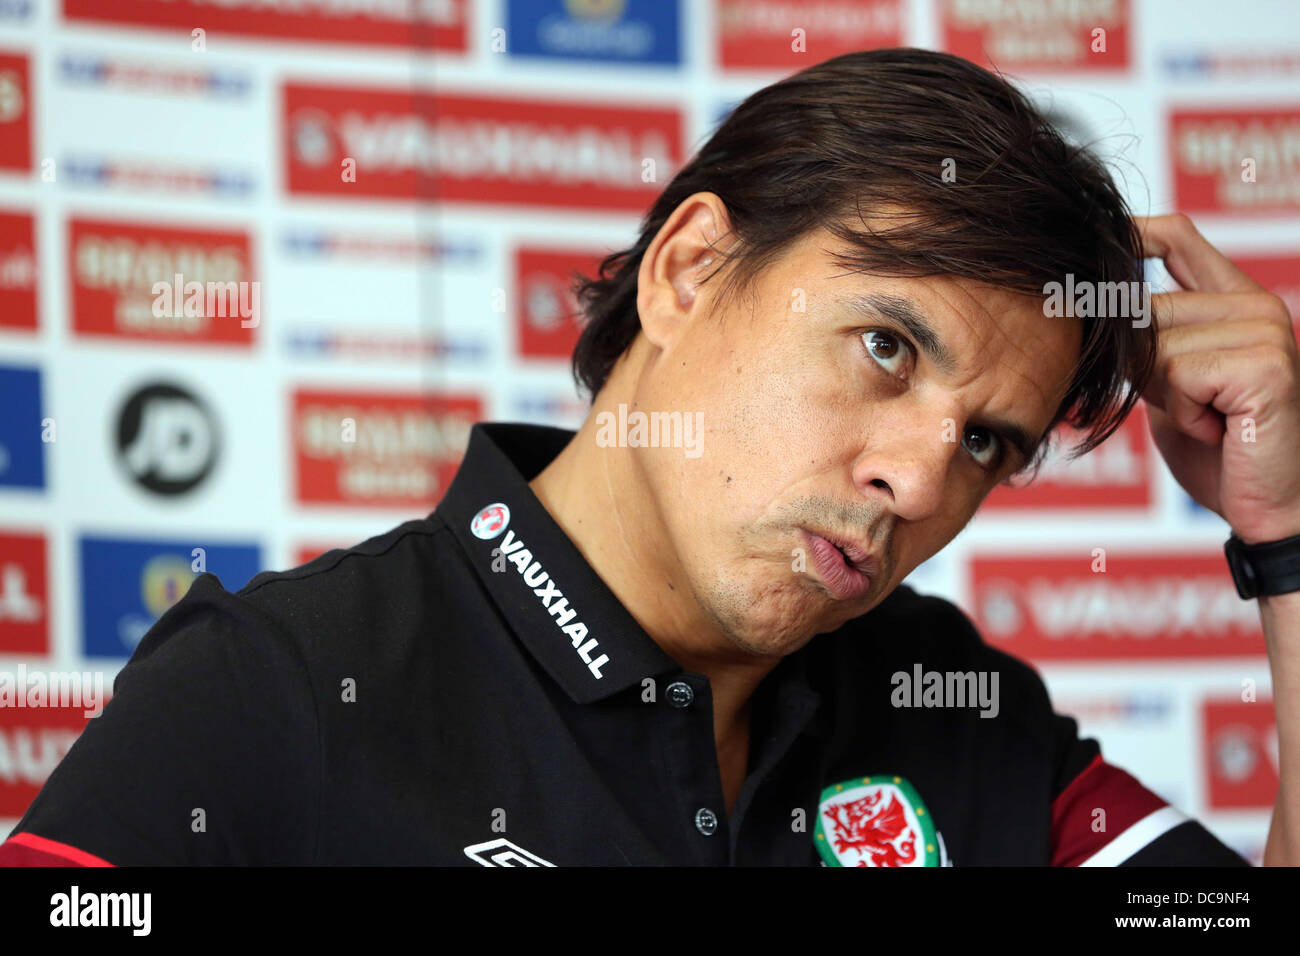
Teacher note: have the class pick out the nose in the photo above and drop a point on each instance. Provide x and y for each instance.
(906, 461)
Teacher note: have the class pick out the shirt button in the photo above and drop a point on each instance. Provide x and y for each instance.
(706, 821)
(680, 694)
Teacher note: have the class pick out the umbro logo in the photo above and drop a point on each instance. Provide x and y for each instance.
(502, 852)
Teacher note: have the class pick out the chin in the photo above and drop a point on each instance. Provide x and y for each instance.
(772, 622)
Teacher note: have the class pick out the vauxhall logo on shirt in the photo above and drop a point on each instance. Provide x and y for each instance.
(488, 524)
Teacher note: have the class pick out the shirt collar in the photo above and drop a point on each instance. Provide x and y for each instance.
(499, 462)
(551, 597)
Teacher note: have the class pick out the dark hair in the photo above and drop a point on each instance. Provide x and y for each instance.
(870, 131)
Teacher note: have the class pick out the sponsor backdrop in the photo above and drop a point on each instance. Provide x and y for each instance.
(383, 203)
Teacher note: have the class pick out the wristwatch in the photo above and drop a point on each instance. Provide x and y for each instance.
(1270, 567)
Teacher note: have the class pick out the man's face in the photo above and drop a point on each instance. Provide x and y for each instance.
(833, 423)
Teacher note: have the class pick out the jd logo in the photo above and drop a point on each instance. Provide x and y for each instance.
(166, 439)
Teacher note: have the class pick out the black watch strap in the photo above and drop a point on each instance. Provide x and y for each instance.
(1270, 567)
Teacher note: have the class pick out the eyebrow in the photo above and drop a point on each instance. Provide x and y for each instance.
(905, 312)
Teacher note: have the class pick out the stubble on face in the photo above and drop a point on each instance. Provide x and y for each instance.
(779, 609)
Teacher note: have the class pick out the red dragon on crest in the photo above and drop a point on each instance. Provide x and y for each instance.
(872, 827)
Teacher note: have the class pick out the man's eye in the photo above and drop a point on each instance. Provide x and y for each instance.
(895, 354)
(890, 351)
(985, 446)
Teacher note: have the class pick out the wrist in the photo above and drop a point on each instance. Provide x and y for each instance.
(1275, 529)
(1264, 568)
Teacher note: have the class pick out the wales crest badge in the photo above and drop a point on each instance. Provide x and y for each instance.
(876, 821)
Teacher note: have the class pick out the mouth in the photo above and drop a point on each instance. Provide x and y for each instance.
(845, 566)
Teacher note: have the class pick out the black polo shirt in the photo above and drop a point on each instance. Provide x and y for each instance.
(465, 690)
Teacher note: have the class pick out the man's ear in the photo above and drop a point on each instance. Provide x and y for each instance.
(677, 259)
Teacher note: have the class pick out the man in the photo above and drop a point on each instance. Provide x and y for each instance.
(678, 636)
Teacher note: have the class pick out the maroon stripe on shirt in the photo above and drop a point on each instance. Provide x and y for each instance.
(1098, 786)
(28, 849)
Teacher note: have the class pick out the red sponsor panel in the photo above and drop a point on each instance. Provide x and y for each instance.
(17, 271)
(400, 144)
(760, 34)
(437, 25)
(1241, 758)
(548, 317)
(1142, 606)
(15, 113)
(24, 595)
(32, 742)
(1046, 35)
(379, 449)
(1280, 275)
(307, 553)
(1236, 160)
(115, 268)
(1118, 473)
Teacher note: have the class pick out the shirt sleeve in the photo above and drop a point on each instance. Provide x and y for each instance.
(207, 753)
(1102, 816)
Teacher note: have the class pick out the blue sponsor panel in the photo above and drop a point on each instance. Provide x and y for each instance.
(102, 173)
(16, 10)
(608, 31)
(127, 584)
(96, 70)
(348, 245)
(22, 453)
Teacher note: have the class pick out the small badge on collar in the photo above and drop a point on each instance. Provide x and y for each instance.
(876, 821)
